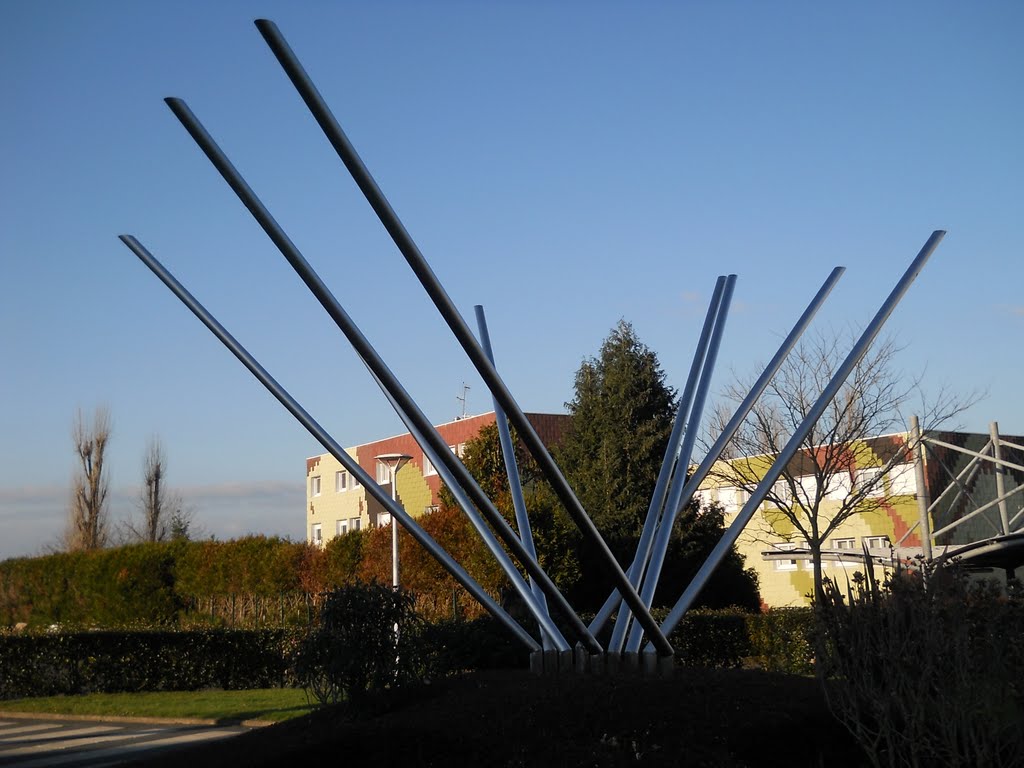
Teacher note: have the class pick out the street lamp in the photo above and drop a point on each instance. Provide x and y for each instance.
(394, 462)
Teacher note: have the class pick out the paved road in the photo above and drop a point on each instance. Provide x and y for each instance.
(43, 742)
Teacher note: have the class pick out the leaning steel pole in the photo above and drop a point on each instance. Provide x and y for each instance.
(672, 505)
(669, 465)
(361, 175)
(831, 390)
(528, 592)
(327, 441)
(370, 356)
(515, 484)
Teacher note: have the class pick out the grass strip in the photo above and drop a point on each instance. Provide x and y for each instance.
(273, 704)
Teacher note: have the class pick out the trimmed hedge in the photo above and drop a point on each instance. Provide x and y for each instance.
(152, 584)
(782, 640)
(127, 661)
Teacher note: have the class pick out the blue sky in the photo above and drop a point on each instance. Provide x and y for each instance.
(563, 164)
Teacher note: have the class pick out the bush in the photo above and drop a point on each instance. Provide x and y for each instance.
(712, 638)
(782, 640)
(110, 662)
(455, 646)
(366, 638)
(926, 669)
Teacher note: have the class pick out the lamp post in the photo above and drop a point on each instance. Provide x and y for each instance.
(394, 462)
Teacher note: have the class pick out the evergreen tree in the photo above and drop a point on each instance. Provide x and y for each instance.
(622, 416)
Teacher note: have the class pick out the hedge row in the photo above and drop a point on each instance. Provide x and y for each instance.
(43, 664)
(152, 583)
(117, 661)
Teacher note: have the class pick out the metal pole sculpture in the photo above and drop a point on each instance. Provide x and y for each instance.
(361, 175)
(515, 485)
(330, 445)
(790, 449)
(673, 489)
(741, 412)
(710, 335)
(537, 609)
(673, 504)
(373, 360)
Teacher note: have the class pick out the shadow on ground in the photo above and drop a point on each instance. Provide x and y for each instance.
(727, 718)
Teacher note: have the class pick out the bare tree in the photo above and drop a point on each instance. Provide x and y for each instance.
(839, 471)
(162, 510)
(87, 519)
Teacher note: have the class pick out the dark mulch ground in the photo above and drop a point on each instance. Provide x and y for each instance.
(698, 717)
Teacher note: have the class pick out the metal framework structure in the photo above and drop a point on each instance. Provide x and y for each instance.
(633, 588)
(1002, 547)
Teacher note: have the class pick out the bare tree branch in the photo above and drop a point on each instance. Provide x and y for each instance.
(845, 464)
(87, 516)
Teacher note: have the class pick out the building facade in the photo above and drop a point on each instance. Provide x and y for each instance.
(336, 503)
(889, 527)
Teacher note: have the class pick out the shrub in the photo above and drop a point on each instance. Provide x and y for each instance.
(925, 669)
(115, 661)
(455, 646)
(365, 639)
(782, 640)
(712, 638)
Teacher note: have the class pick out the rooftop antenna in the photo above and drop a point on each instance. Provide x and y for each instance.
(462, 399)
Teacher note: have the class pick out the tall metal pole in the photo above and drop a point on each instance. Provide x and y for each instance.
(672, 465)
(675, 502)
(741, 412)
(997, 453)
(515, 484)
(551, 634)
(375, 197)
(921, 481)
(373, 360)
(330, 445)
(789, 450)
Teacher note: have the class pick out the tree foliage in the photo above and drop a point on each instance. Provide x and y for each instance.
(364, 640)
(622, 414)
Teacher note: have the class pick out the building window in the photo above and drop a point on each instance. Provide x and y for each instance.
(902, 480)
(316, 534)
(784, 565)
(845, 545)
(870, 478)
(314, 486)
(780, 490)
(808, 485)
(732, 499)
(353, 523)
(839, 486)
(428, 466)
(383, 473)
(340, 481)
(877, 542)
(341, 526)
